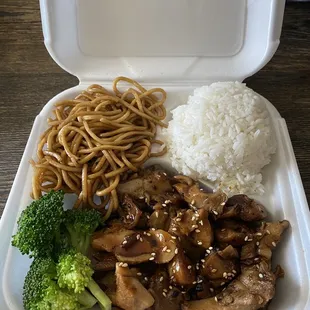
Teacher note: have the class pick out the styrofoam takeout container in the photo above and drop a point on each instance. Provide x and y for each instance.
(178, 45)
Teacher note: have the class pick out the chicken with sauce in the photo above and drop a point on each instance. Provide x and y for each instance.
(175, 246)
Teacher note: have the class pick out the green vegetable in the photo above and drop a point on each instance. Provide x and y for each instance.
(41, 290)
(81, 224)
(74, 272)
(39, 225)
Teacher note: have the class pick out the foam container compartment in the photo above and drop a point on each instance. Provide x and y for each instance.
(177, 45)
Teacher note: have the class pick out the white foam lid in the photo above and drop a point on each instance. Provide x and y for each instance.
(177, 44)
(172, 41)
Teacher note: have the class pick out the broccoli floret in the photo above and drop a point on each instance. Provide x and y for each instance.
(39, 224)
(81, 224)
(41, 291)
(74, 272)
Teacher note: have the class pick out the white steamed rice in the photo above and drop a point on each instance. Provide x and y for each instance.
(222, 134)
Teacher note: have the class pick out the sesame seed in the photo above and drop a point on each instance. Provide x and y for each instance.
(246, 238)
(223, 283)
(147, 216)
(203, 260)
(139, 274)
(120, 264)
(168, 250)
(223, 204)
(194, 282)
(165, 290)
(199, 242)
(164, 205)
(224, 274)
(173, 237)
(257, 243)
(156, 214)
(165, 248)
(223, 229)
(261, 275)
(210, 247)
(138, 236)
(128, 217)
(125, 241)
(141, 240)
(141, 197)
(145, 278)
(153, 229)
(164, 294)
(230, 274)
(170, 287)
(214, 270)
(215, 212)
(194, 226)
(161, 279)
(173, 229)
(125, 265)
(274, 244)
(211, 289)
(208, 251)
(215, 298)
(189, 267)
(183, 292)
(234, 271)
(192, 202)
(197, 267)
(250, 240)
(173, 270)
(201, 223)
(173, 264)
(153, 254)
(178, 219)
(203, 266)
(167, 201)
(268, 232)
(199, 281)
(148, 234)
(259, 234)
(176, 251)
(197, 230)
(256, 258)
(152, 258)
(166, 213)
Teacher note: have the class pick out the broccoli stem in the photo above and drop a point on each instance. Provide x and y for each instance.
(103, 299)
(86, 299)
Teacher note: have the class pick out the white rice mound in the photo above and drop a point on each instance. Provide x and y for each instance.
(223, 134)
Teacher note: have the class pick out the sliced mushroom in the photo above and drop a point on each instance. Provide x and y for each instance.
(244, 208)
(155, 245)
(184, 223)
(103, 261)
(130, 212)
(110, 238)
(203, 233)
(221, 267)
(130, 293)
(166, 296)
(211, 202)
(181, 270)
(159, 219)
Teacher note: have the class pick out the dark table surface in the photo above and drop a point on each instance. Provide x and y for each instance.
(29, 78)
